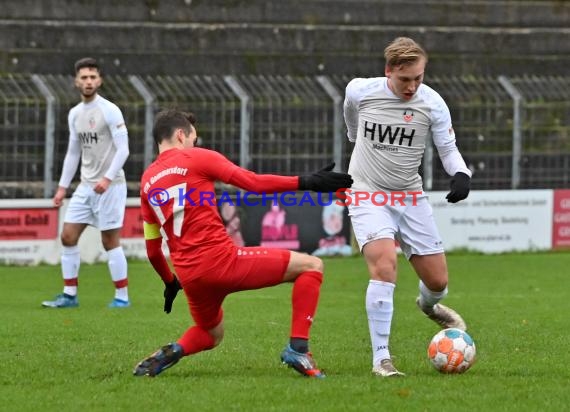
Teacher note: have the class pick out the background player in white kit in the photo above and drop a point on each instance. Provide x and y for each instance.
(391, 119)
(98, 137)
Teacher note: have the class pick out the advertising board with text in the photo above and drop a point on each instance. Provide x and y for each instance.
(494, 221)
(27, 234)
(561, 219)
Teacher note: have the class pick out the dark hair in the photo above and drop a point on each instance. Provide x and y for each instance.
(191, 118)
(167, 121)
(89, 62)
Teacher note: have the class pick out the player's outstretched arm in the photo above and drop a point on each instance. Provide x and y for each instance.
(325, 180)
(217, 167)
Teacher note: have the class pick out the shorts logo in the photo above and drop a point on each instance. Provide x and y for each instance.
(408, 115)
(371, 236)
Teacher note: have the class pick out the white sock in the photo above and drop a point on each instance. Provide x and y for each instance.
(380, 308)
(429, 298)
(117, 263)
(70, 262)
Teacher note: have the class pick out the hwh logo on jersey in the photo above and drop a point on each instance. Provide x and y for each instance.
(88, 137)
(380, 132)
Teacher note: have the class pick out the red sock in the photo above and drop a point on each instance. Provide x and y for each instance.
(196, 340)
(305, 297)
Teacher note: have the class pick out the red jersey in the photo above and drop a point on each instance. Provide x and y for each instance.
(177, 193)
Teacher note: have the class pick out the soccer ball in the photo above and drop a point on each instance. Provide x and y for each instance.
(451, 351)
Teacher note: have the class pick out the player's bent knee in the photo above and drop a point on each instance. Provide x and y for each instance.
(68, 240)
(436, 285)
(301, 263)
(317, 264)
(110, 239)
(110, 245)
(384, 271)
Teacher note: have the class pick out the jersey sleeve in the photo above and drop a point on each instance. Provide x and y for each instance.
(122, 145)
(119, 133)
(350, 109)
(444, 139)
(73, 154)
(115, 120)
(217, 167)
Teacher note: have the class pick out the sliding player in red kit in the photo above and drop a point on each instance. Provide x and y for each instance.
(178, 205)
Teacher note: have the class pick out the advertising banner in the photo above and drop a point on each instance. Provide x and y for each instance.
(27, 232)
(561, 220)
(488, 221)
(495, 221)
(304, 222)
(28, 224)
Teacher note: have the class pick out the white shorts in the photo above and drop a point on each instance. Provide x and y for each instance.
(412, 225)
(104, 211)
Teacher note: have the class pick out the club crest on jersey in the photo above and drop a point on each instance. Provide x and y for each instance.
(92, 122)
(408, 115)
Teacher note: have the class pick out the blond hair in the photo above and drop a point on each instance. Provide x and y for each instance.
(403, 51)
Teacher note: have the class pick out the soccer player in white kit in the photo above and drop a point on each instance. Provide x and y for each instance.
(390, 119)
(98, 138)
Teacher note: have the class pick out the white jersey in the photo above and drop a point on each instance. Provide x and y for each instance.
(94, 125)
(391, 135)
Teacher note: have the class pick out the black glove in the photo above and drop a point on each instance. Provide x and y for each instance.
(460, 185)
(170, 291)
(325, 180)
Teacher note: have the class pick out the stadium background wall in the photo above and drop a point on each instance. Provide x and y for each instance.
(288, 37)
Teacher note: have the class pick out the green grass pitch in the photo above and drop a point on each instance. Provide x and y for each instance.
(516, 305)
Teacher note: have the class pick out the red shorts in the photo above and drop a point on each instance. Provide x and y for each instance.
(250, 268)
